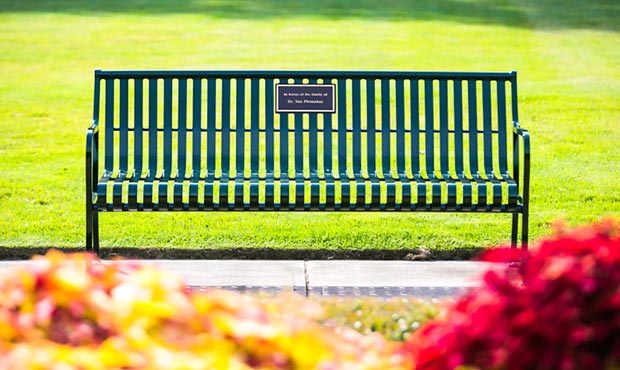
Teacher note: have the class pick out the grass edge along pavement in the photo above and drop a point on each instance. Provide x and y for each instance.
(241, 253)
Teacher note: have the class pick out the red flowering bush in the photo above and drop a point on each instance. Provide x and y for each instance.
(73, 312)
(559, 310)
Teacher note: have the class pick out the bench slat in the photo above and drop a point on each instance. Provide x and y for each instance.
(269, 130)
(313, 150)
(138, 139)
(429, 115)
(386, 133)
(444, 127)
(153, 110)
(356, 125)
(371, 126)
(298, 127)
(167, 137)
(472, 126)
(182, 130)
(226, 129)
(240, 137)
(458, 127)
(109, 125)
(298, 139)
(123, 126)
(284, 157)
(254, 128)
(196, 129)
(138, 143)
(501, 127)
(400, 128)
(342, 129)
(178, 191)
(415, 126)
(487, 127)
(211, 126)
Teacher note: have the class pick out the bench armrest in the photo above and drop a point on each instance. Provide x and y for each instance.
(522, 136)
(525, 136)
(92, 161)
(94, 127)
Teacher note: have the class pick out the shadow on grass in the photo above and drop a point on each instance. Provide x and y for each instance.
(23, 253)
(545, 14)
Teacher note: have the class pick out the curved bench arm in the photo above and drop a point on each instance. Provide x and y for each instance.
(92, 166)
(525, 135)
(92, 161)
(522, 136)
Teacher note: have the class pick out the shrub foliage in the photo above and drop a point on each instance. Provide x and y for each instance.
(70, 311)
(559, 310)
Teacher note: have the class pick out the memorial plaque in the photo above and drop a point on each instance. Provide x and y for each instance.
(305, 98)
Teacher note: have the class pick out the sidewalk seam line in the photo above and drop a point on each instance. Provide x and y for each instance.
(306, 279)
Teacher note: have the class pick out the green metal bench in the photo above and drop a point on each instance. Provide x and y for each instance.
(306, 141)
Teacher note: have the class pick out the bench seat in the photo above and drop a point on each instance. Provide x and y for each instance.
(360, 193)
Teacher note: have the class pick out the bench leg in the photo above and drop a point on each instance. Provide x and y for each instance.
(89, 229)
(96, 232)
(524, 230)
(92, 231)
(515, 230)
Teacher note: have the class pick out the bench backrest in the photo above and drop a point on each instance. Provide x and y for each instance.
(211, 124)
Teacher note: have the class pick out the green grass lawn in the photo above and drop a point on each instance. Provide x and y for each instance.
(567, 54)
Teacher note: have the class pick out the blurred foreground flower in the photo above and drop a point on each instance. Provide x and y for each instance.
(70, 311)
(560, 310)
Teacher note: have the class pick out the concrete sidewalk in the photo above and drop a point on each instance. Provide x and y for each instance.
(426, 279)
